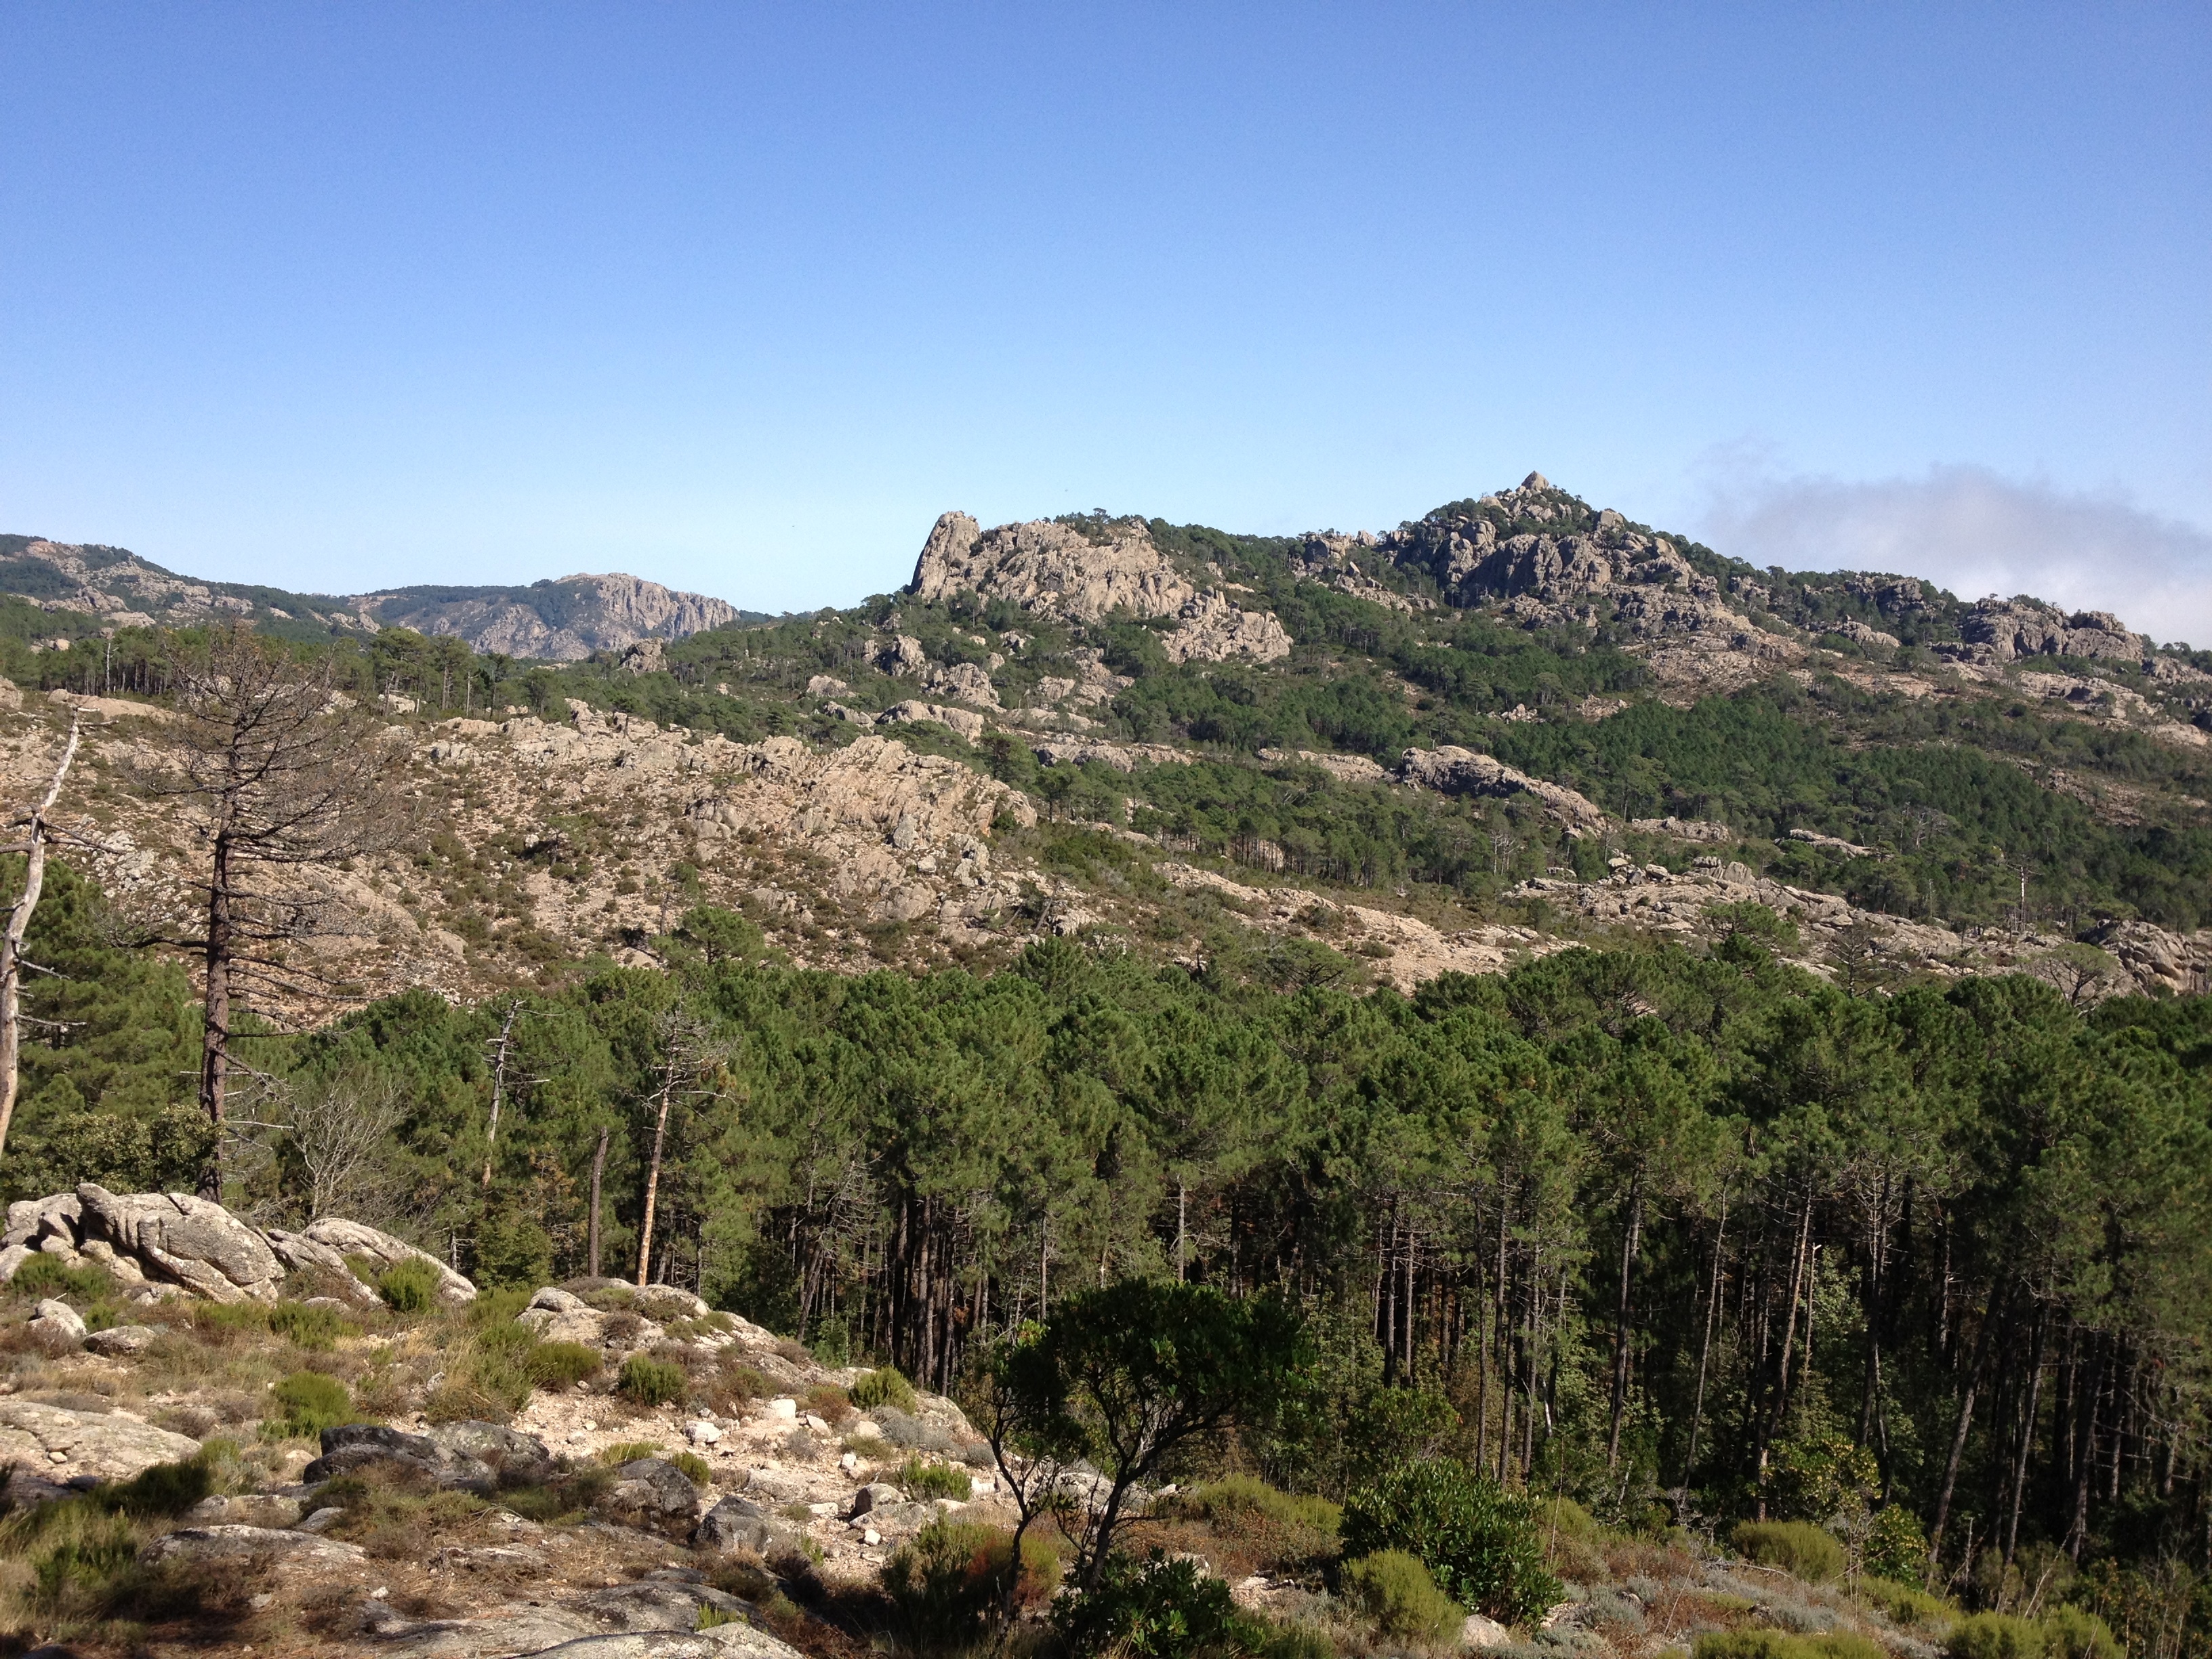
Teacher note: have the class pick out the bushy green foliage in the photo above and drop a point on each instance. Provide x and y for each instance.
(1280, 1531)
(1481, 1542)
(1396, 1592)
(921, 1479)
(881, 1387)
(1906, 1604)
(695, 1468)
(164, 1489)
(1896, 1547)
(316, 1329)
(1795, 1546)
(310, 1401)
(409, 1286)
(559, 1364)
(45, 1276)
(1777, 1645)
(649, 1382)
(1156, 1609)
(629, 1451)
(1995, 1636)
(2072, 1632)
(948, 1584)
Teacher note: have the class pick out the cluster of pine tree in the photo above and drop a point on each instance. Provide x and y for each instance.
(1687, 1237)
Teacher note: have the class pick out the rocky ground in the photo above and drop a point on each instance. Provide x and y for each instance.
(218, 1455)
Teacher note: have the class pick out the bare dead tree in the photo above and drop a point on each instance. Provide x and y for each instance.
(19, 922)
(687, 1057)
(284, 770)
(340, 1130)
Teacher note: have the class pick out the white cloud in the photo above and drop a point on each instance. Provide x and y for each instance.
(1974, 531)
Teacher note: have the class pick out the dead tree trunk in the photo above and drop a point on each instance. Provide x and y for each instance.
(11, 943)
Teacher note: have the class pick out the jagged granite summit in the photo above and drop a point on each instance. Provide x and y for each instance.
(564, 621)
(1088, 569)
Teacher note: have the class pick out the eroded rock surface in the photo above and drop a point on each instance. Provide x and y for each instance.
(60, 1443)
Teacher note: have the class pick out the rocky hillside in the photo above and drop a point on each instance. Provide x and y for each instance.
(562, 621)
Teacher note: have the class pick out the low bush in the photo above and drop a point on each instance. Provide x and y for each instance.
(696, 1469)
(308, 1403)
(316, 1329)
(45, 1276)
(410, 1287)
(165, 1489)
(561, 1365)
(922, 1479)
(1279, 1531)
(1795, 1546)
(830, 1403)
(1396, 1592)
(1481, 1542)
(1995, 1636)
(1775, 1644)
(1907, 1605)
(1896, 1549)
(886, 1387)
(948, 1583)
(651, 1381)
(628, 1451)
(2070, 1632)
(1158, 1608)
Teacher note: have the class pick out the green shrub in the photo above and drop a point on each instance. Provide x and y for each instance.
(559, 1364)
(2071, 1633)
(1905, 1604)
(882, 1388)
(44, 1276)
(1795, 1546)
(313, 1329)
(628, 1451)
(923, 1479)
(1394, 1591)
(311, 1401)
(410, 1287)
(651, 1381)
(1279, 1532)
(1773, 1645)
(946, 1584)
(164, 1489)
(1158, 1608)
(1896, 1549)
(830, 1403)
(77, 1573)
(1481, 1542)
(696, 1469)
(1994, 1635)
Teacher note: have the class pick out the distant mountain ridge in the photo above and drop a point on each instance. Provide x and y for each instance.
(556, 621)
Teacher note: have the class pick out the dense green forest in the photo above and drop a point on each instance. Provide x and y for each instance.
(1687, 1237)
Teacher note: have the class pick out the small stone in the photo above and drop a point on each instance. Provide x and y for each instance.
(872, 1536)
(784, 1409)
(258, 1602)
(701, 1433)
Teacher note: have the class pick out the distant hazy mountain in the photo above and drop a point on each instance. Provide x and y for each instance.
(562, 621)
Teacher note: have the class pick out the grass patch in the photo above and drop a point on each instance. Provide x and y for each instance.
(45, 1276)
(1400, 1598)
(648, 1382)
(1797, 1546)
(409, 1286)
(629, 1451)
(922, 1479)
(309, 1402)
(561, 1364)
(885, 1387)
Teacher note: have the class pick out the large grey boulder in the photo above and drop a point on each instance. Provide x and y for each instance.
(557, 1315)
(653, 1494)
(56, 1323)
(352, 1446)
(663, 1602)
(514, 1458)
(352, 1238)
(229, 1543)
(300, 1253)
(122, 1341)
(735, 1524)
(188, 1241)
(60, 1443)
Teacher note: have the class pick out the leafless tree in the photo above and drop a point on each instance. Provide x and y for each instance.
(340, 1130)
(283, 770)
(19, 922)
(689, 1062)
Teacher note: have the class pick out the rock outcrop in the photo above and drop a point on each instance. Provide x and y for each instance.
(1451, 770)
(564, 621)
(60, 1443)
(2002, 630)
(1087, 571)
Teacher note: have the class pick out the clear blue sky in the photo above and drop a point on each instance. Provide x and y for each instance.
(341, 296)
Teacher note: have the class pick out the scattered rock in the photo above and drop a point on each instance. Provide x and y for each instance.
(254, 1509)
(1479, 1631)
(352, 1238)
(187, 1241)
(242, 1543)
(107, 1445)
(514, 1458)
(734, 1523)
(651, 1493)
(56, 1323)
(1452, 771)
(358, 1445)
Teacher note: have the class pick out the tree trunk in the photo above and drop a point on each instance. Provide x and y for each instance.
(598, 1169)
(653, 1178)
(215, 1024)
(1990, 1317)
(11, 943)
(2026, 1442)
(1772, 1422)
(1706, 1345)
(1628, 1241)
(498, 1088)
